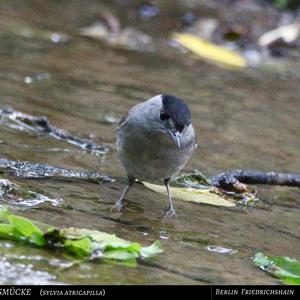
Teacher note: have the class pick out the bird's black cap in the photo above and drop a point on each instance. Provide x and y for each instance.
(177, 110)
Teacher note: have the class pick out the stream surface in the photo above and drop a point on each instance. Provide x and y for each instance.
(246, 119)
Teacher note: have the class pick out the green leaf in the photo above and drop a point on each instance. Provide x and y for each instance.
(80, 248)
(24, 225)
(290, 280)
(82, 243)
(134, 247)
(6, 231)
(286, 263)
(122, 251)
(112, 247)
(97, 236)
(24, 228)
(284, 268)
(120, 254)
(38, 239)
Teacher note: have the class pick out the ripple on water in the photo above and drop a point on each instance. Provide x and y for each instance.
(40, 199)
(221, 250)
(18, 273)
(21, 196)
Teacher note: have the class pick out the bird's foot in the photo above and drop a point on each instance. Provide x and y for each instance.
(117, 207)
(170, 213)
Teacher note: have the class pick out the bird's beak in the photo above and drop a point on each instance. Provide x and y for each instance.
(176, 137)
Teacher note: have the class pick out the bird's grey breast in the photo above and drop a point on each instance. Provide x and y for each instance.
(146, 151)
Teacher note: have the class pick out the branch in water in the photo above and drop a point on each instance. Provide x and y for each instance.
(41, 125)
(27, 169)
(232, 180)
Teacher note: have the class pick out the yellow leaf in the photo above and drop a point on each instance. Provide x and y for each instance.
(210, 51)
(204, 196)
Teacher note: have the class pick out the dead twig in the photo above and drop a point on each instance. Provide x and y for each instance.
(235, 179)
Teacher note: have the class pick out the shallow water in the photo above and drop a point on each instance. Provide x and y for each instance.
(244, 119)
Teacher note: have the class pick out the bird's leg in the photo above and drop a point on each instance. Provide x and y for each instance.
(118, 205)
(170, 212)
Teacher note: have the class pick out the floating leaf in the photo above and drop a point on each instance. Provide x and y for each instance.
(25, 228)
(96, 236)
(5, 187)
(109, 245)
(81, 243)
(80, 248)
(152, 250)
(37, 239)
(209, 51)
(5, 231)
(290, 280)
(23, 225)
(284, 268)
(240, 195)
(120, 254)
(205, 196)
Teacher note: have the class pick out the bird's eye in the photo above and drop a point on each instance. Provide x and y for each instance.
(164, 116)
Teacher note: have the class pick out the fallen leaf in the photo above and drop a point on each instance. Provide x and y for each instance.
(204, 196)
(209, 51)
(81, 248)
(24, 228)
(284, 268)
(110, 245)
(80, 242)
(152, 250)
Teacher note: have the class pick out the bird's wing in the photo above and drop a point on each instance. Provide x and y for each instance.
(122, 122)
(129, 114)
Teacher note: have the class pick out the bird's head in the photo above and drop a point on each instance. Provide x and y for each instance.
(174, 116)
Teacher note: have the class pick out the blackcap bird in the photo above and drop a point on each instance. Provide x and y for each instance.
(154, 141)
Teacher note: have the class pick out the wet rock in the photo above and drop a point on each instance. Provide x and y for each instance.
(19, 273)
(27, 169)
(5, 187)
(25, 197)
